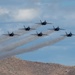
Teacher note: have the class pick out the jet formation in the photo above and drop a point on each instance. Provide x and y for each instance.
(29, 38)
(40, 34)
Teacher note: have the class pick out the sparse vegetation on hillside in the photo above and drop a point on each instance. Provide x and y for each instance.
(15, 66)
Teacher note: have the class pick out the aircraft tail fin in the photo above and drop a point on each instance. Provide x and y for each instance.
(36, 32)
(40, 21)
(8, 32)
(66, 33)
(53, 27)
(24, 27)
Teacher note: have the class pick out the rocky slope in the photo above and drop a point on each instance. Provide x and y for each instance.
(15, 66)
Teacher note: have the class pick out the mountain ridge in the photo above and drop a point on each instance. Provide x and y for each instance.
(16, 66)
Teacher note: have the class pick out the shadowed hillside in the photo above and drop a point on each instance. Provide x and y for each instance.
(15, 66)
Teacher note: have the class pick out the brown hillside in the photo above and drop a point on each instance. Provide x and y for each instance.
(15, 66)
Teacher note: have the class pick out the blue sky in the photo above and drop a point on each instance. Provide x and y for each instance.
(59, 12)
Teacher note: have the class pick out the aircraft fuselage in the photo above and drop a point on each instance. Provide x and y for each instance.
(56, 29)
(69, 35)
(11, 34)
(40, 34)
(27, 29)
(44, 23)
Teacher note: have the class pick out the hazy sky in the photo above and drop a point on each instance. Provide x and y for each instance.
(59, 12)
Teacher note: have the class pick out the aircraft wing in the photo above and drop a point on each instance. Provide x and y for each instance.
(37, 23)
(21, 29)
(49, 23)
(50, 29)
(63, 35)
(5, 34)
(45, 34)
(33, 34)
(73, 34)
(17, 34)
(32, 28)
(62, 29)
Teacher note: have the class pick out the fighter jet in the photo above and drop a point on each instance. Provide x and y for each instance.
(10, 34)
(39, 34)
(56, 29)
(69, 34)
(43, 23)
(27, 28)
